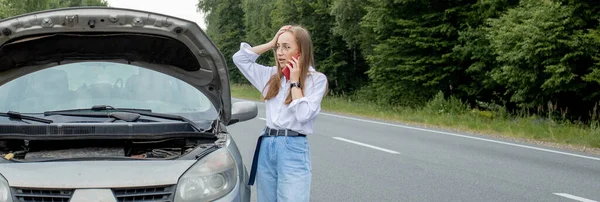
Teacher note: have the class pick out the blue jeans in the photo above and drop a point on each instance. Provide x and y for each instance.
(284, 169)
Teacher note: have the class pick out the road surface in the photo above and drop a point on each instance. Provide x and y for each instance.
(363, 160)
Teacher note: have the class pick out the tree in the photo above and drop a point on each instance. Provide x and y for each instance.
(409, 62)
(76, 3)
(475, 56)
(257, 21)
(225, 27)
(10, 8)
(545, 56)
(348, 15)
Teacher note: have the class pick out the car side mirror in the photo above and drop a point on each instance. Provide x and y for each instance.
(243, 111)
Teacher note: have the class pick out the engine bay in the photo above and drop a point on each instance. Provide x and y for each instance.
(46, 150)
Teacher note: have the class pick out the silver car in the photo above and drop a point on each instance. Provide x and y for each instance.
(107, 104)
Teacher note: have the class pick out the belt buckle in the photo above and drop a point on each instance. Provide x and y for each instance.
(270, 132)
(277, 132)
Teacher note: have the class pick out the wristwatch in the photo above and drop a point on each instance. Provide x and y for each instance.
(296, 84)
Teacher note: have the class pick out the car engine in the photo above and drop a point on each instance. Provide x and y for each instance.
(37, 150)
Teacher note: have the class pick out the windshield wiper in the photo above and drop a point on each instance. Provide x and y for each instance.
(133, 114)
(17, 115)
(166, 116)
(94, 108)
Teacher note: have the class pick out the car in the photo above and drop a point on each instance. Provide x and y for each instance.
(113, 104)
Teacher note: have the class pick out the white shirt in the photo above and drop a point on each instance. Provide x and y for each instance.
(300, 114)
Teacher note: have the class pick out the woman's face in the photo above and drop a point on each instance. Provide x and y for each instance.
(286, 48)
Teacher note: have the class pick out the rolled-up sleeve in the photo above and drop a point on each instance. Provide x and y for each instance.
(245, 61)
(307, 107)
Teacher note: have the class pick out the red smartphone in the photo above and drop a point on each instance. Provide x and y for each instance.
(286, 70)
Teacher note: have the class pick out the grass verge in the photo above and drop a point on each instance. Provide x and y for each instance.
(523, 128)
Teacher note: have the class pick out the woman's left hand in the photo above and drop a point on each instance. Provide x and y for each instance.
(294, 70)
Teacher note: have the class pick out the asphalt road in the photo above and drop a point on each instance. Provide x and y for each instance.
(363, 160)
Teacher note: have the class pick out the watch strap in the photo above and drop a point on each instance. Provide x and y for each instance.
(295, 84)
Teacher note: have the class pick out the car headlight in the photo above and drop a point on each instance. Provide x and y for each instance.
(4, 190)
(212, 177)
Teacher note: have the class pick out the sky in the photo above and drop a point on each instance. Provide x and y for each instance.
(185, 9)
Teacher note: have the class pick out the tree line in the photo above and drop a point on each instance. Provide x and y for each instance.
(10, 8)
(539, 56)
(536, 56)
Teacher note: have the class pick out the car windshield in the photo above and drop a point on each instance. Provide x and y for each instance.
(83, 85)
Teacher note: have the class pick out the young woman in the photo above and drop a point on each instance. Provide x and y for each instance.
(282, 158)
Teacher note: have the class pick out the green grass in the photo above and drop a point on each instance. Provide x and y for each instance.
(529, 128)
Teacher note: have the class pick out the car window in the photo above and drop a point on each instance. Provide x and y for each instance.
(83, 85)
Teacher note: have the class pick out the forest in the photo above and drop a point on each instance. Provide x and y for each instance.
(10, 8)
(521, 57)
(507, 57)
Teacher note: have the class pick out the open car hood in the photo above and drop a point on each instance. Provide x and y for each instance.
(167, 44)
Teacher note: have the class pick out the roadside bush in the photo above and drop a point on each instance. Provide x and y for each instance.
(366, 93)
(490, 110)
(440, 105)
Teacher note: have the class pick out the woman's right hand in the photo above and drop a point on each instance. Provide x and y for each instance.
(273, 42)
(260, 49)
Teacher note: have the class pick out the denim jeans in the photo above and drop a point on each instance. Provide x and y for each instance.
(284, 169)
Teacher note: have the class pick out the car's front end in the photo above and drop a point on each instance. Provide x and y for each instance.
(108, 104)
(210, 174)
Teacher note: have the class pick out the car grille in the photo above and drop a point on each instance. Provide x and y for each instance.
(42, 195)
(141, 194)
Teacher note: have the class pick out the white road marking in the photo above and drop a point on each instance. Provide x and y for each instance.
(465, 136)
(262, 119)
(577, 198)
(367, 145)
(453, 134)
